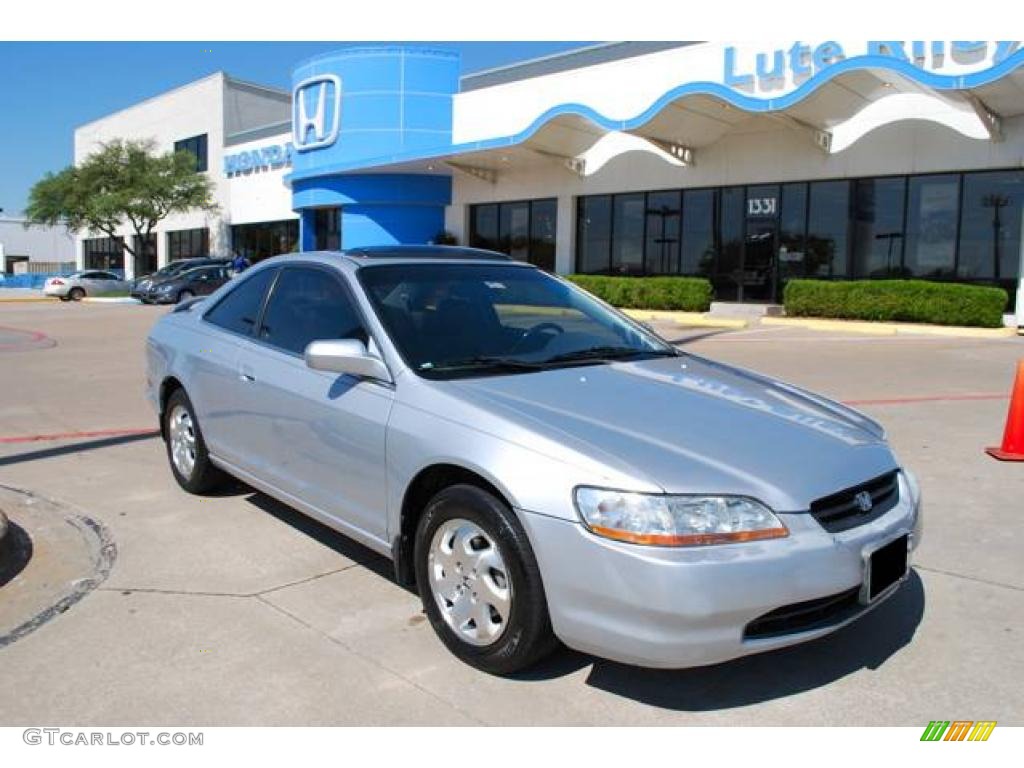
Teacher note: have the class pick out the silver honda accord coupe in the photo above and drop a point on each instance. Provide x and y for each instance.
(539, 465)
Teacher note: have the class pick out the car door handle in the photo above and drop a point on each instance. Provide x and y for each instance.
(245, 374)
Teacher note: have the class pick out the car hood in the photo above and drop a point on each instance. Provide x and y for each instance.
(690, 425)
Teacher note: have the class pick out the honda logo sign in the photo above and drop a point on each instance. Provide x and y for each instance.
(316, 112)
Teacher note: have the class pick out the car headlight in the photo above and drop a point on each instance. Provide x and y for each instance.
(676, 521)
(165, 288)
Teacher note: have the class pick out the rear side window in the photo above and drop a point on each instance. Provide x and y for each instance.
(309, 305)
(239, 310)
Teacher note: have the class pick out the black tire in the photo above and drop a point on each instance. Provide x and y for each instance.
(185, 296)
(76, 294)
(204, 476)
(527, 636)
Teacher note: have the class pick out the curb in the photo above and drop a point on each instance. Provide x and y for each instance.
(890, 329)
(27, 299)
(691, 319)
(110, 300)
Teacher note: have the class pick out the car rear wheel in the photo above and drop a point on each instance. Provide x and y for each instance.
(480, 583)
(76, 294)
(185, 296)
(186, 449)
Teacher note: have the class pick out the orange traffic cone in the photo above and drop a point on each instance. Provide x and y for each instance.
(1012, 448)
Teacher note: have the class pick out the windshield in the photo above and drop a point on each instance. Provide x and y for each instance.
(452, 320)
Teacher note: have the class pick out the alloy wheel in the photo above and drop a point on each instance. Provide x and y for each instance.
(182, 435)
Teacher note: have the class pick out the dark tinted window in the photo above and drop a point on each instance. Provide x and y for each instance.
(308, 305)
(828, 229)
(730, 242)
(196, 146)
(878, 227)
(104, 253)
(239, 310)
(792, 230)
(514, 230)
(933, 202)
(188, 244)
(698, 253)
(593, 240)
(327, 228)
(991, 225)
(483, 226)
(664, 213)
(523, 229)
(543, 218)
(265, 239)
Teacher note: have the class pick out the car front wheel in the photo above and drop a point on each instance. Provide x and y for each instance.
(186, 449)
(480, 583)
(185, 296)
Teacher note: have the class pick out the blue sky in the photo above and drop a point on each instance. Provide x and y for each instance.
(49, 88)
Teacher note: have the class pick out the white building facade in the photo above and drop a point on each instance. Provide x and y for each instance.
(749, 165)
(25, 250)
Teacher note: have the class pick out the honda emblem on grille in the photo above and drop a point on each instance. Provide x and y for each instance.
(864, 501)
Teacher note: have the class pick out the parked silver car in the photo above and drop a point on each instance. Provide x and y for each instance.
(87, 282)
(537, 463)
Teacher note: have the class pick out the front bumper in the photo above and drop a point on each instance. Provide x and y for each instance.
(685, 607)
(153, 297)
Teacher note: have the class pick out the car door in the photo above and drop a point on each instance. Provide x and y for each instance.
(91, 283)
(321, 434)
(214, 382)
(205, 281)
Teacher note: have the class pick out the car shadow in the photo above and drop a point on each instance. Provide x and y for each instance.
(865, 644)
(328, 537)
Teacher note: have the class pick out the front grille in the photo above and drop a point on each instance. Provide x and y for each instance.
(841, 511)
(819, 613)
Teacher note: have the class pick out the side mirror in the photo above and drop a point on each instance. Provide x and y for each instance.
(346, 356)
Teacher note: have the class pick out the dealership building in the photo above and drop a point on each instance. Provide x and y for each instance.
(747, 164)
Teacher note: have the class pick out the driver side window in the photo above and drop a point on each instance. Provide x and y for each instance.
(309, 304)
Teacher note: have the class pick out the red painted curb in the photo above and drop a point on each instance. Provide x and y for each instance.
(78, 435)
(31, 337)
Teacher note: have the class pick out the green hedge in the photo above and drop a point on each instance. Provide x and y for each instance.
(690, 294)
(914, 301)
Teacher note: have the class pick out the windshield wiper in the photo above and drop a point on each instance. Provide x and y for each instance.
(482, 361)
(601, 354)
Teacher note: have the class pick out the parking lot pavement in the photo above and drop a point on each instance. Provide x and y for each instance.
(235, 610)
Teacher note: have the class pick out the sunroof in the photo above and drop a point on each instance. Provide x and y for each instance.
(425, 252)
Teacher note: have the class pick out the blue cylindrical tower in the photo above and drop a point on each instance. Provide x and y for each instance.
(355, 108)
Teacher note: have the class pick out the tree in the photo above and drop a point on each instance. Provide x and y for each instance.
(124, 181)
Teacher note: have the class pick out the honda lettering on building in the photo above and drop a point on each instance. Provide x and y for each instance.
(316, 112)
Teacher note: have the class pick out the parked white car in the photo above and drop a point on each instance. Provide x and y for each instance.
(89, 282)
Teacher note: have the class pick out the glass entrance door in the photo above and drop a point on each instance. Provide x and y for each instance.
(759, 260)
(759, 273)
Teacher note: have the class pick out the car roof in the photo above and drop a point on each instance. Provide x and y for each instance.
(425, 252)
(357, 258)
(199, 268)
